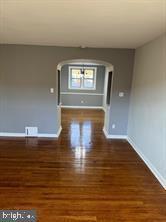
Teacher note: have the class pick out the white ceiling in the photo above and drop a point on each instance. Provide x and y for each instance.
(90, 23)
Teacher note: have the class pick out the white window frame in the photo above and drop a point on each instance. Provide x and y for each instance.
(82, 87)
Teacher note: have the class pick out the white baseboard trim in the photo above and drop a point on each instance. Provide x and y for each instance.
(82, 93)
(105, 132)
(103, 108)
(47, 135)
(152, 168)
(83, 107)
(59, 131)
(5, 134)
(109, 136)
(44, 135)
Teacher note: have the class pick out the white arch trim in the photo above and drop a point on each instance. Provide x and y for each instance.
(86, 61)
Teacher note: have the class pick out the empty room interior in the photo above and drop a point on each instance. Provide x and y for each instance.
(83, 110)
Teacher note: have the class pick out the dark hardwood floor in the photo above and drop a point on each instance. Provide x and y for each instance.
(79, 177)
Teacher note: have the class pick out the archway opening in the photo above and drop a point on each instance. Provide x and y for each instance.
(84, 84)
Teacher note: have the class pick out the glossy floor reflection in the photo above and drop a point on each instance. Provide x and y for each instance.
(80, 177)
(80, 134)
(81, 125)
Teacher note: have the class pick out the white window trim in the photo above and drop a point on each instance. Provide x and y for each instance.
(80, 67)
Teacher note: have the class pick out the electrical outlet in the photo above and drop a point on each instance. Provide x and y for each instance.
(51, 90)
(113, 126)
(121, 94)
(82, 101)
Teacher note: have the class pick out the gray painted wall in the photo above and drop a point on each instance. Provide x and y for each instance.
(27, 72)
(89, 100)
(147, 118)
(75, 100)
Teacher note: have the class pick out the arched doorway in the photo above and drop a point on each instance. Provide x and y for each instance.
(109, 69)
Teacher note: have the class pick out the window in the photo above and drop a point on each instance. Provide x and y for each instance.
(82, 78)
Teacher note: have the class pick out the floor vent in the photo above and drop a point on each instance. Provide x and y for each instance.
(31, 131)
